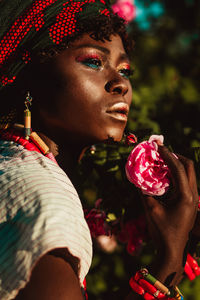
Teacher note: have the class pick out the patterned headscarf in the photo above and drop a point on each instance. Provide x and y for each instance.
(36, 25)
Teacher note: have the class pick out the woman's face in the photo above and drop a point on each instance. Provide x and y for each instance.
(93, 91)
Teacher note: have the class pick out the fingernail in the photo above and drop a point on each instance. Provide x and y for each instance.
(159, 143)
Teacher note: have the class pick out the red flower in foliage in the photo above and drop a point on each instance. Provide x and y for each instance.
(96, 221)
(133, 233)
(125, 9)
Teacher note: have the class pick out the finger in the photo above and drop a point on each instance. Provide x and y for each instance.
(189, 168)
(177, 169)
(150, 205)
(190, 171)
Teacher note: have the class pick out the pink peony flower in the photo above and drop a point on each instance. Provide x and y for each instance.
(146, 169)
(125, 9)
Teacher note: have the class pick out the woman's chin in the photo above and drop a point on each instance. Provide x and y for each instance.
(107, 136)
(115, 135)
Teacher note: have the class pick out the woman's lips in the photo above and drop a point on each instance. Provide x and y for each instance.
(119, 111)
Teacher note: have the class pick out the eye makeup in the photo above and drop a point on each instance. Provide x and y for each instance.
(91, 60)
(96, 61)
(125, 70)
(83, 57)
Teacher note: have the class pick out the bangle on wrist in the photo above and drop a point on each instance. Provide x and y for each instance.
(150, 288)
(192, 270)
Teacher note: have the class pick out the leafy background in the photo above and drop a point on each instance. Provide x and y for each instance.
(166, 99)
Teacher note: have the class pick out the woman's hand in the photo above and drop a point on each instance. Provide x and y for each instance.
(171, 223)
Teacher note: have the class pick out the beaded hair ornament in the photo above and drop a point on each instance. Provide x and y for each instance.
(38, 25)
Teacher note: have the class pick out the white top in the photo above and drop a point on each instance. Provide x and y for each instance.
(39, 211)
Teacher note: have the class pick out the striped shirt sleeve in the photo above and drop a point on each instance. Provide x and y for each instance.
(39, 211)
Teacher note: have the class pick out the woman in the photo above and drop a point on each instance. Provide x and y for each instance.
(72, 57)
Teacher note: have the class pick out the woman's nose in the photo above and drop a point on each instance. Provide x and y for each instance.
(117, 86)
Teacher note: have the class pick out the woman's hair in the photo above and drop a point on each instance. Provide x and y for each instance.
(99, 28)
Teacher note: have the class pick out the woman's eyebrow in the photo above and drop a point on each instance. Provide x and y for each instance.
(124, 56)
(101, 48)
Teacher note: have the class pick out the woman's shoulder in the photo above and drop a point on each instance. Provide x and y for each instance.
(30, 172)
(35, 188)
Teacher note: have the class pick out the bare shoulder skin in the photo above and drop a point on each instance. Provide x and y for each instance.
(52, 278)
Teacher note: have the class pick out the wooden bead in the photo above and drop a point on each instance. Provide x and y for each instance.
(39, 143)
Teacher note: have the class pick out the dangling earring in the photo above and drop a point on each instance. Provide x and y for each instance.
(27, 116)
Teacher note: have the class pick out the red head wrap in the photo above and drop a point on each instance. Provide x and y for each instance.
(38, 26)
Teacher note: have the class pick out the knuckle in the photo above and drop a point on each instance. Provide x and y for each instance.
(155, 213)
(179, 166)
(190, 164)
(188, 198)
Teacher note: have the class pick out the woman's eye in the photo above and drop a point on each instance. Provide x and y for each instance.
(92, 63)
(126, 72)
